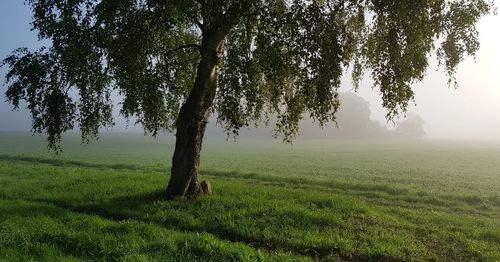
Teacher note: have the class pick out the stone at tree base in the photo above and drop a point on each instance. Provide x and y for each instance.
(206, 187)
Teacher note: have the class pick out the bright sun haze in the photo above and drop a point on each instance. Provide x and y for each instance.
(469, 112)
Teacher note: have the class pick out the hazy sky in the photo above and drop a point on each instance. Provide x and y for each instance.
(471, 112)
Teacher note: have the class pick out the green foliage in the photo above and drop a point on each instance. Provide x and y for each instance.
(282, 58)
(335, 200)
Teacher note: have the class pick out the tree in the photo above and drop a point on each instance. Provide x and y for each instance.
(175, 62)
(353, 121)
(411, 126)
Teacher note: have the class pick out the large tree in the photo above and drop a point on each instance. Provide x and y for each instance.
(174, 62)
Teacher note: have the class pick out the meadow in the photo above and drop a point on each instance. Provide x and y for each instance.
(318, 200)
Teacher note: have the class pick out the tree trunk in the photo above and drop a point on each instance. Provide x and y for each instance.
(192, 121)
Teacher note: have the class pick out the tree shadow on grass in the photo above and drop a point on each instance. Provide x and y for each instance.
(30, 225)
(22, 208)
(74, 163)
(180, 215)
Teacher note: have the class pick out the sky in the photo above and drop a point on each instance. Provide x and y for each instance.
(472, 111)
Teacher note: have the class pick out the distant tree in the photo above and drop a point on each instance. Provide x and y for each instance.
(353, 116)
(411, 126)
(175, 62)
(353, 121)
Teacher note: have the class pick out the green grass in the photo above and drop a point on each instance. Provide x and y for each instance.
(318, 200)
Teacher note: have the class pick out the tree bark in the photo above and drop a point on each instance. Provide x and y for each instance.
(192, 120)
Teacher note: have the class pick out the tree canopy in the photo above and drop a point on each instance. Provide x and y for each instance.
(281, 57)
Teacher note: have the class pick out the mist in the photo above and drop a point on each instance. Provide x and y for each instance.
(469, 112)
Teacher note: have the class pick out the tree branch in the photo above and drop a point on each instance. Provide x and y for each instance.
(186, 46)
(199, 24)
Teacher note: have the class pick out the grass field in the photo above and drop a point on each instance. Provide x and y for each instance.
(359, 200)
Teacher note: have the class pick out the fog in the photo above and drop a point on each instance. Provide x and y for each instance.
(353, 120)
(470, 112)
